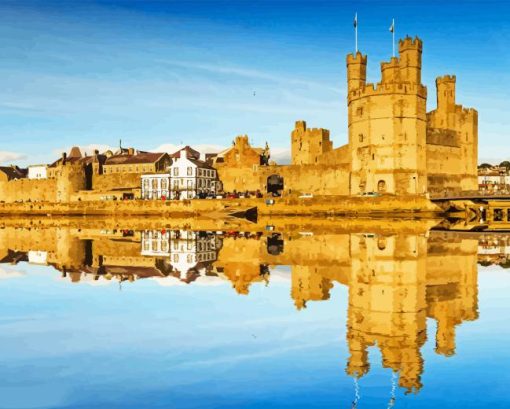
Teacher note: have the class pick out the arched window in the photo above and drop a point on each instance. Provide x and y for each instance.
(381, 243)
(381, 186)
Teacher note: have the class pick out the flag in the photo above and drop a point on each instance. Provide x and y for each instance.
(356, 20)
(392, 27)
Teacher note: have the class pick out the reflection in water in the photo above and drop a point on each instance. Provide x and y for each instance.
(395, 282)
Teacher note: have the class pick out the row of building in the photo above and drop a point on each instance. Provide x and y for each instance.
(394, 147)
(494, 179)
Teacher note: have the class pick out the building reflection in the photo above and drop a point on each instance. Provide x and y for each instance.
(395, 281)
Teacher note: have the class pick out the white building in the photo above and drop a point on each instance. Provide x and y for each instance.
(156, 186)
(191, 177)
(37, 172)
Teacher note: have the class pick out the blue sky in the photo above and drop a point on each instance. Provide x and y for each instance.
(158, 74)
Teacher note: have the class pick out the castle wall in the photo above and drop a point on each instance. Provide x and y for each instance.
(108, 182)
(446, 170)
(338, 156)
(315, 179)
(34, 190)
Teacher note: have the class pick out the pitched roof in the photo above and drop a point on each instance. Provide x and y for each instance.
(200, 164)
(145, 157)
(190, 153)
(13, 172)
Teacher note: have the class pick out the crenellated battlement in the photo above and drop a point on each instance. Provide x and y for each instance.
(446, 79)
(409, 43)
(308, 144)
(393, 63)
(372, 89)
(357, 58)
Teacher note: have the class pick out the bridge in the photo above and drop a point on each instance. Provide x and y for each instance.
(476, 211)
(468, 196)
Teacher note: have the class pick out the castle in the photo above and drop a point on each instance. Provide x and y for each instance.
(394, 147)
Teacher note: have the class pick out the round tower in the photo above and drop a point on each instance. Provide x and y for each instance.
(71, 178)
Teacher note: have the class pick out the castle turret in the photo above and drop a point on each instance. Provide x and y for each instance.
(308, 144)
(410, 59)
(356, 71)
(390, 71)
(446, 93)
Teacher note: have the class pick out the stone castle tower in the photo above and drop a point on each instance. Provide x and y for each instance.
(308, 144)
(70, 176)
(387, 124)
(451, 125)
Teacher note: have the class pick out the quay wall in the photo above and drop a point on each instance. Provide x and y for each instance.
(220, 208)
(43, 190)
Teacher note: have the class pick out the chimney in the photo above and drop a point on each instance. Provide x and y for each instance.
(64, 157)
(131, 151)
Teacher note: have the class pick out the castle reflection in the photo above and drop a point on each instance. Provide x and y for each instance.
(395, 281)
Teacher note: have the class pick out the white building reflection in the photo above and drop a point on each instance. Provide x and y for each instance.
(190, 253)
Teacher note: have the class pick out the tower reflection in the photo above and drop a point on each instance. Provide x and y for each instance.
(396, 280)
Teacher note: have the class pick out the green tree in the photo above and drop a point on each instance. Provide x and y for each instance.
(505, 164)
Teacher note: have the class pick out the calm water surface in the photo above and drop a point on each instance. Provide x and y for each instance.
(183, 319)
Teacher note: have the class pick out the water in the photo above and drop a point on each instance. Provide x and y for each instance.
(156, 318)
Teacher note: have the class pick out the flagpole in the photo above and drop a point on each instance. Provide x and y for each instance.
(356, 33)
(393, 35)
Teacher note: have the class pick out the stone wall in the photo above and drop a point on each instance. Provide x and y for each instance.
(112, 181)
(446, 170)
(315, 179)
(34, 190)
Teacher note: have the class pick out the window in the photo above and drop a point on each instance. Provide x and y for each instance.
(190, 171)
(176, 171)
(164, 183)
(361, 137)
